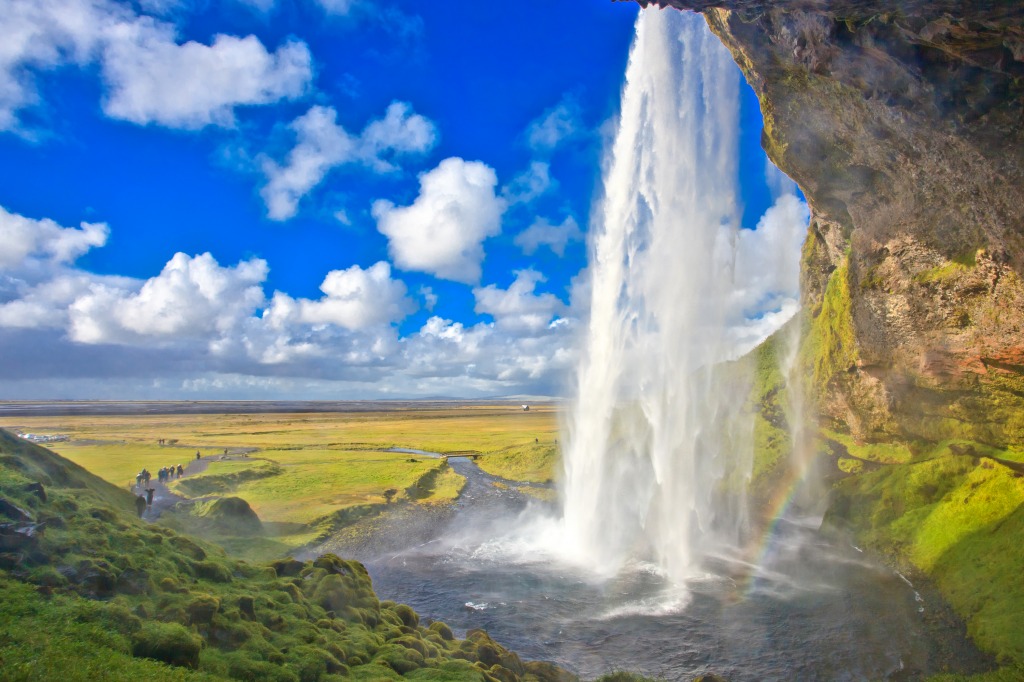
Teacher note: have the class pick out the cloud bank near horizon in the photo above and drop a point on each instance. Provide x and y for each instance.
(202, 327)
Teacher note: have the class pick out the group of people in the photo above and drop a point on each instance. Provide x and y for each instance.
(142, 479)
(167, 473)
(164, 475)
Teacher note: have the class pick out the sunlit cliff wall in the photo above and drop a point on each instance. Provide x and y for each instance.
(902, 123)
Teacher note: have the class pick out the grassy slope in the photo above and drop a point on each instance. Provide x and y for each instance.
(959, 520)
(531, 462)
(104, 595)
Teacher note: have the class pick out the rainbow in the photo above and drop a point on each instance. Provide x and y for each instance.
(780, 503)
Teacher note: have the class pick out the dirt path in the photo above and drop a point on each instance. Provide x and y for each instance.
(163, 497)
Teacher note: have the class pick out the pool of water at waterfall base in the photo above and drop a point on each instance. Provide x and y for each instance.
(813, 609)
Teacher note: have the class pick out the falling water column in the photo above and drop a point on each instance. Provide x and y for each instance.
(640, 463)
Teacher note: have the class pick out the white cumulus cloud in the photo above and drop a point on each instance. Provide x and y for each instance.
(543, 233)
(152, 79)
(191, 297)
(518, 308)
(41, 35)
(198, 328)
(766, 276)
(353, 298)
(556, 124)
(23, 237)
(323, 144)
(443, 231)
(530, 184)
(149, 76)
(337, 7)
(400, 132)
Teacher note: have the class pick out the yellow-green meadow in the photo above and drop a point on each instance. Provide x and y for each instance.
(304, 474)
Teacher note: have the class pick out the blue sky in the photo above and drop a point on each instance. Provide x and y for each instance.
(304, 199)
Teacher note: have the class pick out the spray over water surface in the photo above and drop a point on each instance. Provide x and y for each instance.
(638, 567)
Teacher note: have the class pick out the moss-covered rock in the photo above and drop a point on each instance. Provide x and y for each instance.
(202, 608)
(167, 642)
(229, 515)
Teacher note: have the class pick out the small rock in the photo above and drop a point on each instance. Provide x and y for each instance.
(13, 511)
(37, 490)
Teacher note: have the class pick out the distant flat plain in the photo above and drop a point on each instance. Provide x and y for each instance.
(298, 464)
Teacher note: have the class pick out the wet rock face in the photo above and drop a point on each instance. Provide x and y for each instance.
(903, 123)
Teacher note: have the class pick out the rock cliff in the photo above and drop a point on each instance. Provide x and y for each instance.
(902, 123)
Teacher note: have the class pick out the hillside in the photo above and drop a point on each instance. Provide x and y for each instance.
(88, 591)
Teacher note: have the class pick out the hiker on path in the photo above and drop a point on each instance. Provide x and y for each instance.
(149, 496)
(180, 471)
(140, 505)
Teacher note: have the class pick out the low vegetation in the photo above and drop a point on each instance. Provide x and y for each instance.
(532, 462)
(955, 514)
(829, 347)
(88, 591)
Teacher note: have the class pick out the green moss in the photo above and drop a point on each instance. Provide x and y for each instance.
(830, 346)
(453, 671)
(240, 666)
(1005, 674)
(373, 672)
(771, 406)
(407, 615)
(850, 466)
(167, 642)
(399, 658)
(872, 279)
(215, 571)
(442, 630)
(957, 518)
(892, 452)
(940, 273)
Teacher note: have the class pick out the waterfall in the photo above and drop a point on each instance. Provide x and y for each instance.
(647, 457)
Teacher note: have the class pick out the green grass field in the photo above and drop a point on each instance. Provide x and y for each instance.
(302, 472)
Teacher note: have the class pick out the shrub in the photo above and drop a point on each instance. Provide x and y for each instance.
(167, 642)
(202, 609)
(442, 630)
(408, 616)
(211, 570)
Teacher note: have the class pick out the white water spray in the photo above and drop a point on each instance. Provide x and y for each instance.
(644, 461)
